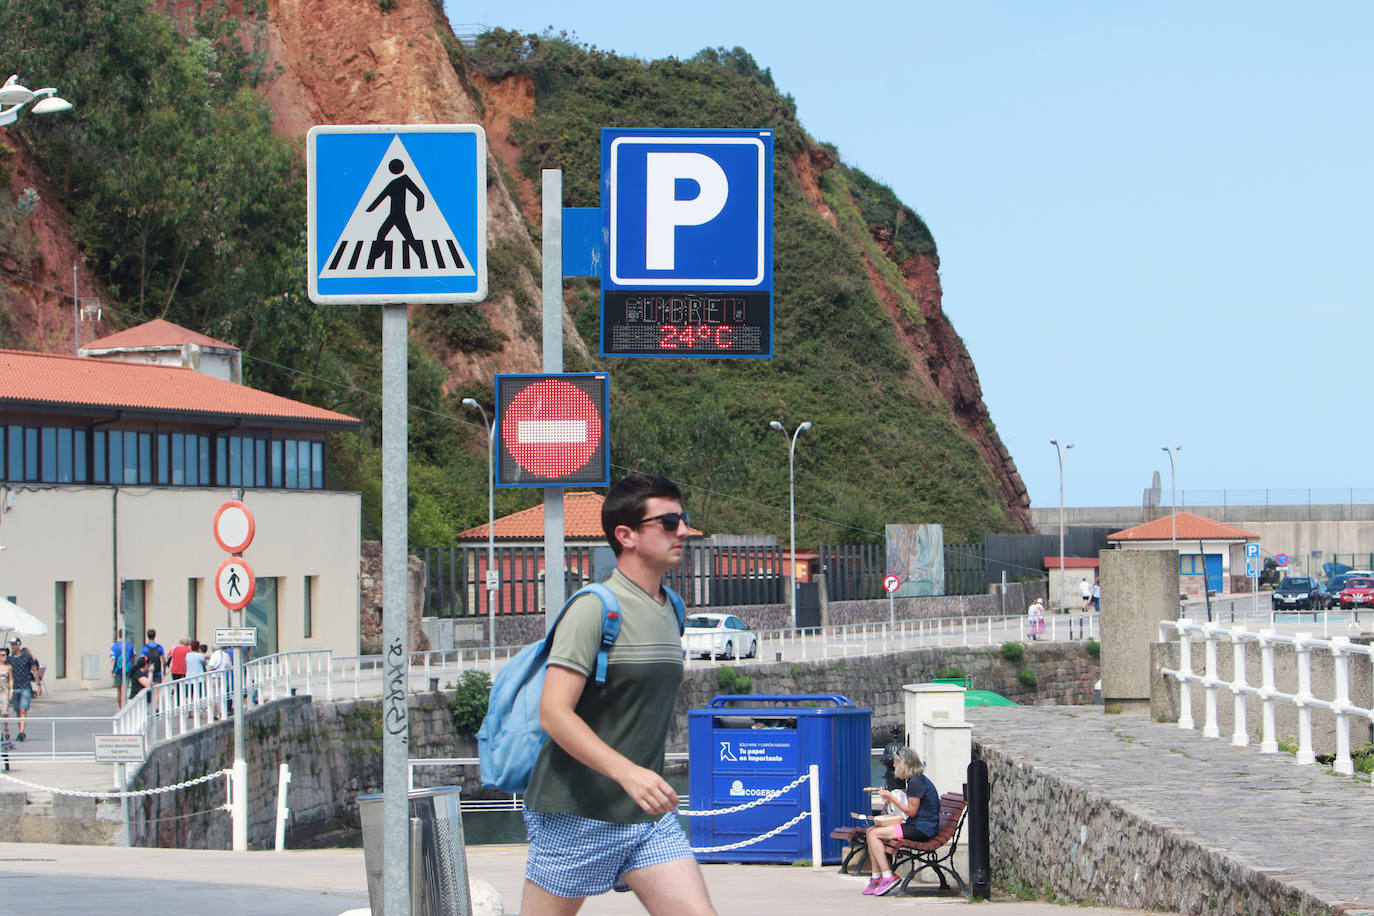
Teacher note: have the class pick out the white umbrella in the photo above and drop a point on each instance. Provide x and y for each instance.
(13, 617)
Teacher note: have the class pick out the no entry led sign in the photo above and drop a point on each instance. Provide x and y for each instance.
(551, 430)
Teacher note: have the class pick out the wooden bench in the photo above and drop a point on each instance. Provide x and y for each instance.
(914, 856)
(936, 853)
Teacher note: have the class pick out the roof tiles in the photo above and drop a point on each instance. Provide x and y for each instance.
(581, 521)
(155, 333)
(1191, 527)
(47, 380)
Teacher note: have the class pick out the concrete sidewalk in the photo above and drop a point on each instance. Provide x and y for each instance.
(86, 879)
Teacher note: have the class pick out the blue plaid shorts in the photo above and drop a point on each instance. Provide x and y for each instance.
(572, 856)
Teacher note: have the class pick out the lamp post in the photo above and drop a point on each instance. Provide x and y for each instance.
(493, 581)
(1060, 453)
(792, 506)
(1173, 512)
(14, 97)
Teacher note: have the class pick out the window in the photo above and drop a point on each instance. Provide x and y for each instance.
(98, 456)
(261, 463)
(221, 462)
(276, 463)
(317, 465)
(16, 453)
(178, 477)
(303, 465)
(131, 457)
(48, 454)
(31, 453)
(164, 471)
(116, 449)
(290, 464)
(309, 593)
(249, 465)
(79, 454)
(204, 476)
(235, 461)
(59, 616)
(64, 455)
(261, 612)
(145, 457)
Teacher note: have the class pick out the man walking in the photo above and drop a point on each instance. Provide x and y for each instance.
(1086, 591)
(598, 812)
(23, 674)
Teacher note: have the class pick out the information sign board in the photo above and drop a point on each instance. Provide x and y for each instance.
(118, 748)
(236, 636)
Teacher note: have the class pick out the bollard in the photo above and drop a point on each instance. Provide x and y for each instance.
(979, 869)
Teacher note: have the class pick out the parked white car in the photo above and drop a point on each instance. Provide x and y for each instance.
(720, 635)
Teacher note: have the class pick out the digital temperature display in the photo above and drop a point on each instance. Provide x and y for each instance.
(720, 324)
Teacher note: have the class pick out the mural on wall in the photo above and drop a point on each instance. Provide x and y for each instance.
(916, 556)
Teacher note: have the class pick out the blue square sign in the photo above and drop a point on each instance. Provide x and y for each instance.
(687, 217)
(688, 209)
(397, 213)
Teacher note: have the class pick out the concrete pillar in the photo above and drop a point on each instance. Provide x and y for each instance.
(1139, 589)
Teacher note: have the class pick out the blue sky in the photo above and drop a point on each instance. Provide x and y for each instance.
(1154, 219)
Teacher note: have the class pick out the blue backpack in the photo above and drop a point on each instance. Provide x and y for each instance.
(509, 740)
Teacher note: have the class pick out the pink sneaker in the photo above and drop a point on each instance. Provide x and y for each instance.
(884, 885)
(872, 883)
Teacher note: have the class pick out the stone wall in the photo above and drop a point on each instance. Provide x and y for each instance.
(334, 749)
(1059, 839)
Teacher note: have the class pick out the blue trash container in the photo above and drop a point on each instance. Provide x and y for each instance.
(743, 747)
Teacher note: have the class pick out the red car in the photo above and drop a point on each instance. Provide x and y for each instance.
(1358, 593)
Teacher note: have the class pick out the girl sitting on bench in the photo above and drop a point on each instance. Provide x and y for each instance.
(921, 805)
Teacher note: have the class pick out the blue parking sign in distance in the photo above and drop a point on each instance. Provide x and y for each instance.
(1252, 551)
(688, 223)
(396, 213)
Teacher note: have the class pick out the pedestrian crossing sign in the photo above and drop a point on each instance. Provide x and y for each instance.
(397, 213)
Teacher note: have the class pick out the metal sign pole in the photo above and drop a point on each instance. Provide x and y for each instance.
(395, 623)
(553, 362)
(240, 771)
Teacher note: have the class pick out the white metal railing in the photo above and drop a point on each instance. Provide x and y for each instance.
(51, 739)
(1212, 635)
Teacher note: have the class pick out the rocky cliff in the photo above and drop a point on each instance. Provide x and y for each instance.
(350, 61)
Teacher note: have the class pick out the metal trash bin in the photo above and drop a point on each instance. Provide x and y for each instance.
(742, 747)
(438, 857)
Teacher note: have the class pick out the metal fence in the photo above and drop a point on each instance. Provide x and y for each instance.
(708, 576)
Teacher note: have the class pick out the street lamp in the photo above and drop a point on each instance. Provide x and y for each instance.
(1060, 453)
(1173, 512)
(492, 583)
(792, 505)
(13, 97)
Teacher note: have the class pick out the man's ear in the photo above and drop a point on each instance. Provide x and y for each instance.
(625, 535)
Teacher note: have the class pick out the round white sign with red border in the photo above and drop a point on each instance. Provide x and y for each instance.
(234, 582)
(234, 527)
(890, 583)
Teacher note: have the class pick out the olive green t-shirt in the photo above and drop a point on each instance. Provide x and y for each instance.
(631, 712)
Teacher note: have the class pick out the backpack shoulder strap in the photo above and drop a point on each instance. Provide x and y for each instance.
(679, 607)
(610, 626)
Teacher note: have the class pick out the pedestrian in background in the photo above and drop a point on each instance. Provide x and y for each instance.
(1036, 613)
(25, 678)
(176, 659)
(1097, 596)
(121, 658)
(156, 655)
(5, 697)
(1086, 591)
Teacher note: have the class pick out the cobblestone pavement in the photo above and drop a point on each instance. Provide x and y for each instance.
(1302, 825)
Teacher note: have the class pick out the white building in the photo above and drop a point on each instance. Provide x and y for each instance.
(1211, 554)
(110, 476)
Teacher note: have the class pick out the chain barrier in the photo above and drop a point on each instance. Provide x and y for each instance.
(750, 804)
(111, 795)
(758, 839)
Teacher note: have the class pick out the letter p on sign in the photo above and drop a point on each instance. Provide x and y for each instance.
(664, 211)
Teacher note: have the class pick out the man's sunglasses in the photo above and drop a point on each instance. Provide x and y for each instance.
(669, 520)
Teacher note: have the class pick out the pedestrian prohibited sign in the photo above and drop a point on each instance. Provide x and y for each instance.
(234, 583)
(551, 430)
(397, 213)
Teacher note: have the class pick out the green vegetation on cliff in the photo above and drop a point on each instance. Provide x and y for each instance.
(189, 208)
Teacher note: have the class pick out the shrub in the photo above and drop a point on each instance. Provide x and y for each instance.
(1093, 648)
(951, 672)
(469, 705)
(1026, 676)
(1013, 651)
(731, 681)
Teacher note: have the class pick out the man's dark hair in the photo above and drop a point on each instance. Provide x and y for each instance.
(152, 634)
(625, 501)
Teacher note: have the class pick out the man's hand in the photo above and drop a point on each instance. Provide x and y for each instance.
(649, 790)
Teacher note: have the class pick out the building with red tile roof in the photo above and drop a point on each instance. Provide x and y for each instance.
(1208, 550)
(581, 522)
(111, 471)
(162, 343)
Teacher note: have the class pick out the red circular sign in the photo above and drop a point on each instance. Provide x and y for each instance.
(234, 526)
(235, 583)
(891, 582)
(551, 428)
